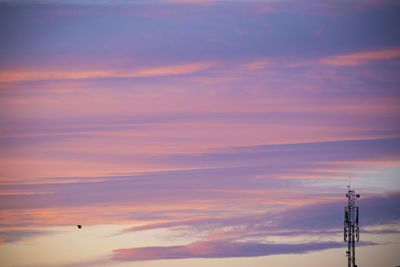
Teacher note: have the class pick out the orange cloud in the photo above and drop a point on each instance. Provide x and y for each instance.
(360, 58)
(27, 75)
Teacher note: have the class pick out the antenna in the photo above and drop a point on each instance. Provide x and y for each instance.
(351, 229)
(349, 186)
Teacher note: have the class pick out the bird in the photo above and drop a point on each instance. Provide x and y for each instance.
(79, 226)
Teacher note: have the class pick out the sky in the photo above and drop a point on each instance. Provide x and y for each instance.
(198, 132)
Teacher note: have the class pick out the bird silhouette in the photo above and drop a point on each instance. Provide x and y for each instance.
(79, 226)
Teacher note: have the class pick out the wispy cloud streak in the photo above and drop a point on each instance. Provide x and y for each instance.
(361, 58)
(17, 76)
(219, 249)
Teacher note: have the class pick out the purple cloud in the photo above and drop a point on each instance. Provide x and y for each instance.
(317, 219)
(236, 185)
(286, 31)
(17, 235)
(220, 249)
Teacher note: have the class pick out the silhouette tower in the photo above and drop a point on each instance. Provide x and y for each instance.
(351, 230)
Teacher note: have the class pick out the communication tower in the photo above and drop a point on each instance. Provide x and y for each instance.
(351, 229)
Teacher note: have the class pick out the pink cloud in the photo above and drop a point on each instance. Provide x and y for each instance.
(264, 8)
(361, 58)
(166, 224)
(28, 75)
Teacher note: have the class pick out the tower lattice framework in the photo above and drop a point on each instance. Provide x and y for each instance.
(351, 229)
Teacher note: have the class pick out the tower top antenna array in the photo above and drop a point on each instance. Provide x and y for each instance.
(351, 229)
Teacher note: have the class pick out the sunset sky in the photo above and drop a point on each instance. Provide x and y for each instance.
(198, 132)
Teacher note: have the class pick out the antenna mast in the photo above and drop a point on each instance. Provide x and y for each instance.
(351, 229)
